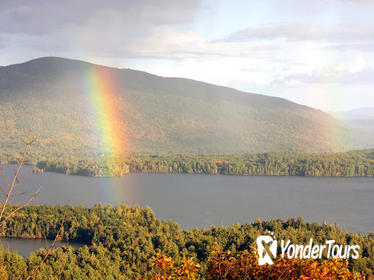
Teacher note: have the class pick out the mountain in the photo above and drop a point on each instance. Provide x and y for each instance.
(151, 114)
(360, 121)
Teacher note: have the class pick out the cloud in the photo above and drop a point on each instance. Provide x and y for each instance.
(302, 32)
(362, 1)
(162, 29)
(41, 16)
(125, 28)
(330, 76)
(357, 46)
(108, 33)
(166, 30)
(163, 42)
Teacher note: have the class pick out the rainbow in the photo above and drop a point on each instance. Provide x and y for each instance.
(109, 109)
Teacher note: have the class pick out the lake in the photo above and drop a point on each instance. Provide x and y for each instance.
(25, 246)
(205, 200)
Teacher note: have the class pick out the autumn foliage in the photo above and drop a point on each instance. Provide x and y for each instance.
(244, 265)
(167, 269)
(226, 265)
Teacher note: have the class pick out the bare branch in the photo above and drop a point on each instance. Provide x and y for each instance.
(28, 139)
(14, 181)
(49, 250)
(5, 180)
(13, 195)
(20, 193)
(32, 198)
(3, 191)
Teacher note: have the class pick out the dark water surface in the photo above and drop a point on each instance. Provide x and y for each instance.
(25, 246)
(204, 200)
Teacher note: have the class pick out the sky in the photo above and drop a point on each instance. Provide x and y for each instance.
(318, 53)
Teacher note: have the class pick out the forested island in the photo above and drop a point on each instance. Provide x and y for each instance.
(348, 164)
(123, 242)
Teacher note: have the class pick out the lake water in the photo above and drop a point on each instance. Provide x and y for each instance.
(25, 246)
(204, 200)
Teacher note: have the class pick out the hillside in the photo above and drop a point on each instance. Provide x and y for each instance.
(153, 114)
(359, 121)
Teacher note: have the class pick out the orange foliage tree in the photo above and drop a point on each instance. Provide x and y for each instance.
(244, 266)
(166, 269)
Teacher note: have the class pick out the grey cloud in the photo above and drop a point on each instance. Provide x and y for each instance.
(116, 28)
(40, 16)
(110, 34)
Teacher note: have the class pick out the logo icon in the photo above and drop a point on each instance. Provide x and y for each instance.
(267, 249)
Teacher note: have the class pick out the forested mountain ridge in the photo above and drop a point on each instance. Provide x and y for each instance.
(157, 114)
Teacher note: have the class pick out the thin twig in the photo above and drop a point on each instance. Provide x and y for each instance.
(31, 199)
(14, 181)
(15, 194)
(5, 180)
(3, 191)
(49, 250)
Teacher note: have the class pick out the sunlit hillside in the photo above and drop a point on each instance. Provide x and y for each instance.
(152, 114)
